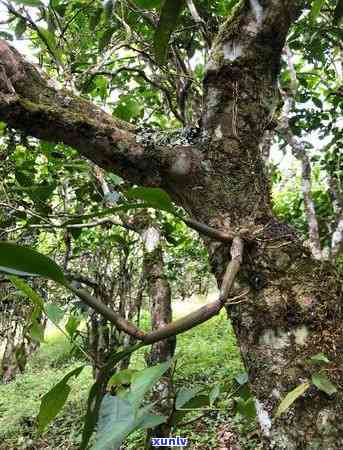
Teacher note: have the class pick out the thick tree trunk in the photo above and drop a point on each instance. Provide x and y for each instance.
(294, 309)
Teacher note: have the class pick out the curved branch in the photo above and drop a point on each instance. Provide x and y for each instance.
(107, 312)
(193, 319)
(30, 103)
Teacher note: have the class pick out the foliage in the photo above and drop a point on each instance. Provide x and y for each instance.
(46, 367)
(54, 360)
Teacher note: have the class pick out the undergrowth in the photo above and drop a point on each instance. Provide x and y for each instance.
(205, 355)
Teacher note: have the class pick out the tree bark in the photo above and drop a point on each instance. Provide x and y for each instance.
(161, 315)
(294, 306)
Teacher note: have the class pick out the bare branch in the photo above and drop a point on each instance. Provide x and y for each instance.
(179, 326)
(107, 312)
(299, 151)
(204, 313)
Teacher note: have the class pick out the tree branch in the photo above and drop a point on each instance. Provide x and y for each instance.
(107, 312)
(193, 319)
(30, 103)
(299, 151)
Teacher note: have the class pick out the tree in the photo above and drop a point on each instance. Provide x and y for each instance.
(214, 169)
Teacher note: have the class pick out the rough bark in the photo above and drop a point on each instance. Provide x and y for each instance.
(161, 315)
(294, 306)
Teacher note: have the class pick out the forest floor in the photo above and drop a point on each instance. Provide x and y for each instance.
(206, 355)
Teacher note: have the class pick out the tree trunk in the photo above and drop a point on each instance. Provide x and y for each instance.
(161, 314)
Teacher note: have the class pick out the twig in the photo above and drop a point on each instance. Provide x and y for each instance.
(34, 27)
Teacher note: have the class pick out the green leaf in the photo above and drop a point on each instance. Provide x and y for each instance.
(18, 260)
(116, 420)
(214, 393)
(170, 13)
(148, 4)
(105, 38)
(24, 287)
(242, 378)
(54, 400)
(20, 28)
(40, 193)
(96, 394)
(23, 178)
(72, 324)
(155, 197)
(315, 11)
(246, 407)
(95, 19)
(119, 240)
(143, 381)
(35, 328)
(151, 421)
(120, 378)
(128, 108)
(321, 381)
(92, 414)
(189, 404)
(199, 401)
(50, 41)
(319, 358)
(29, 2)
(54, 313)
(290, 398)
(36, 331)
(2, 127)
(115, 179)
(184, 395)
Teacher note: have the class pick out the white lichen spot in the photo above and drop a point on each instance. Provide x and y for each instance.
(212, 62)
(276, 393)
(181, 165)
(232, 51)
(218, 132)
(206, 165)
(275, 338)
(323, 422)
(301, 334)
(151, 238)
(214, 96)
(263, 418)
(257, 11)
(306, 186)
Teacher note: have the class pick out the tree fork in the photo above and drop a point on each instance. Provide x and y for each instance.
(294, 308)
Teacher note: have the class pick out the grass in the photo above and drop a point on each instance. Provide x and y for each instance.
(205, 355)
(20, 399)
